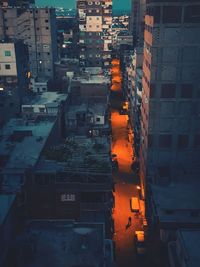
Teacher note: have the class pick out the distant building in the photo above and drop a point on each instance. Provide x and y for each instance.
(37, 28)
(138, 9)
(95, 20)
(14, 73)
(170, 122)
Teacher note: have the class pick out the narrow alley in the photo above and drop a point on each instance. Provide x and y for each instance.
(126, 186)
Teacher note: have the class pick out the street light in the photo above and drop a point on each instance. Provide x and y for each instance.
(138, 187)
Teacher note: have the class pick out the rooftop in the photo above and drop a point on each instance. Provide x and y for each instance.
(46, 98)
(191, 242)
(6, 202)
(92, 75)
(79, 154)
(22, 141)
(171, 201)
(96, 108)
(63, 244)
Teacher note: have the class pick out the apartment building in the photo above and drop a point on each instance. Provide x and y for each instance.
(95, 20)
(14, 74)
(138, 9)
(170, 122)
(37, 28)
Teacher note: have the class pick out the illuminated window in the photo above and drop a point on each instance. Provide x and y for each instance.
(7, 53)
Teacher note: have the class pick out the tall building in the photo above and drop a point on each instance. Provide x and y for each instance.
(14, 74)
(170, 112)
(138, 9)
(18, 3)
(37, 28)
(95, 19)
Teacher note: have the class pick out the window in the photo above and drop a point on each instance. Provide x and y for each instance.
(150, 140)
(90, 3)
(183, 141)
(67, 197)
(7, 67)
(47, 28)
(46, 20)
(42, 110)
(165, 141)
(186, 90)
(197, 141)
(192, 14)
(152, 90)
(168, 90)
(37, 29)
(7, 53)
(97, 26)
(98, 119)
(172, 14)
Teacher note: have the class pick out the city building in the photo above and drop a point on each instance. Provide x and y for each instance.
(14, 78)
(36, 27)
(170, 123)
(63, 243)
(138, 9)
(95, 20)
(8, 224)
(73, 180)
(173, 207)
(17, 3)
(185, 250)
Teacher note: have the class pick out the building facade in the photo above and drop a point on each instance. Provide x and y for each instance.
(170, 123)
(14, 80)
(95, 20)
(37, 28)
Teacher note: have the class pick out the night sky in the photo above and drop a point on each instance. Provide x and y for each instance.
(117, 4)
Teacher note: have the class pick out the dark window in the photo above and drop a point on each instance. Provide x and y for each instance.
(38, 29)
(186, 90)
(192, 14)
(7, 67)
(183, 141)
(98, 119)
(48, 53)
(152, 90)
(197, 141)
(169, 212)
(165, 141)
(194, 214)
(172, 14)
(168, 90)
(150, 140)
(46, 20)
(47, 28)
(156, 14)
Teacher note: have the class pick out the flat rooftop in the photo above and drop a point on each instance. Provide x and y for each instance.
(191, 242)
(91, 75)
(46, 98)
(6, 202)
(78, 154)
(177, 198)
(63, 244)
(22, 142)
(95, 108)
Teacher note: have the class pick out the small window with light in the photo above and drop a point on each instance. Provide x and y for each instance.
(7, 53)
